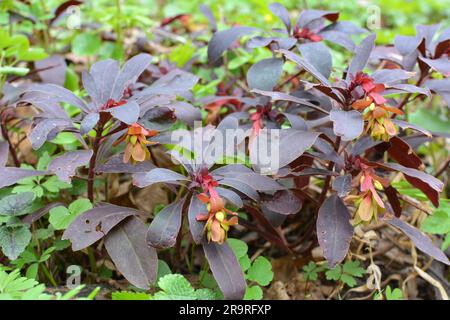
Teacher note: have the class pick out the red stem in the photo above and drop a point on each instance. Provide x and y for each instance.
(95, 146)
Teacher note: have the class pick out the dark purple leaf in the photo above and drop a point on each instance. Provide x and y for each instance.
(345, 27)
(32, 217)
(254, 180)
(441, 87)
(291, 145)
(55, 69)
(133, 258)
(176, 82)
(186, 112)
(163, 230)
(43, 130)
(105, 73)
(306, 65)
(390, 76)
(49, 106)
(241, 187)
(264, 74)
(420, 240)
(441, 65)
(90, 86)
(12, 175)
(207, 12)
(317, 55)
(406, 44)
(283, 202)
(130, 72)
(308, 16)
(230, 196)
(65, 166)
(334, 230)
(392, 195)
(347, 124)
(116, 165)
(196, 207)
(406, 125)
(226, 270)
(89, 122)
(222, 40)
(296, 121)
(157, 175)
(427, 32)
(340, 38)
(405, 87)
(421, 180)
(4, 153)
(342, 185)
(59, 93)
(402, 152)
(363, 144)
(281, 96)
(281, 12)
(362, 54)
(94, 224)
(127, 113)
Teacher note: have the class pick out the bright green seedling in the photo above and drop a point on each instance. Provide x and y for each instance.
(259, 272)
(34, 261)
(172, 287)
(61, 217)
(48, 186)
(346, 273)
(311, 271)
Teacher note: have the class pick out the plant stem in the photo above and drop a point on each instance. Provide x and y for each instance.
(49, 275)
(5, 135)
(95, 146)
(326, 185)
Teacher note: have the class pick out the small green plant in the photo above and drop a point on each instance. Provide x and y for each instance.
(15, 287)
(346, 273)
(390, 294)
(172, 287)
(258, 273)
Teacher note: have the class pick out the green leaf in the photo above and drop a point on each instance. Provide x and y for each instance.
(18, 71)
(175, 287)
(17, 204)
(253, 293)
(205, 294)
(14, 240)
(446, 243)
(32, 271)
(311, 271)
(61, 217)
(395, 294)
(86, 44)
(127, 295)
(33, 54)
(163, 269)
(260, 271)
(245, 263)
(80, 206)
(334, 274)
(353, 268)
(348, 279)
(239, 247)
(429, 119)
(438, 223)
(13, 286)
